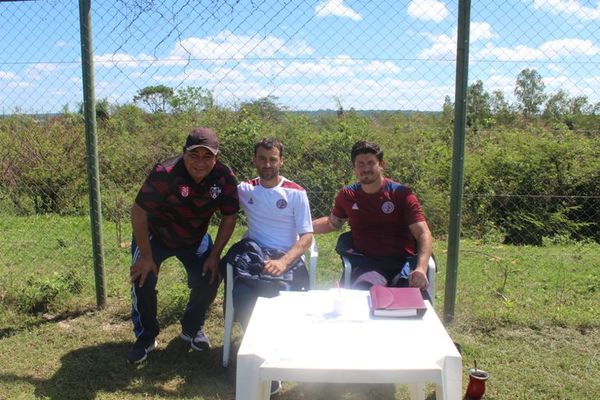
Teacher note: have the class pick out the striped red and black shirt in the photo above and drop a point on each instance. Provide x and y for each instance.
(179, 209)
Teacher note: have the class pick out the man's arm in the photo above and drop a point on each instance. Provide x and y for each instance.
(327, 224)
(421, 233)
(145, 262)
(224, 232)
(278, 267)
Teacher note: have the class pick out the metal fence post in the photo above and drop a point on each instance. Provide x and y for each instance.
(87, 64)
(458, 151)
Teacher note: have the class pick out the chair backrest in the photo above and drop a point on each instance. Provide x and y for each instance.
(311, 257)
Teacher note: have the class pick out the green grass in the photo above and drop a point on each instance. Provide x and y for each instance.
(528, 315)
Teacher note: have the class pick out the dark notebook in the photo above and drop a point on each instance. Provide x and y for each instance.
(396, 302)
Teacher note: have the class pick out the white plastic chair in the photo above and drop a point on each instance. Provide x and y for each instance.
(310, 258)
(431, 270)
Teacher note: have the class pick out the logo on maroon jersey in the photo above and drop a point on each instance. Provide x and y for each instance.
(281, 203)
(387, 207)
(215, 191)
(184, 191)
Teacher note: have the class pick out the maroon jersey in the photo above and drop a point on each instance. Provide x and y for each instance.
(380, 221)
(179, 209)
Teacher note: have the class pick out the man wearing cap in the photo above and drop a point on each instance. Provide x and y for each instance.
(170, 217)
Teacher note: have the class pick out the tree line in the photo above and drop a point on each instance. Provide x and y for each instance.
(531, 168)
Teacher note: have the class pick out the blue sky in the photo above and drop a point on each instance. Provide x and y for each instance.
(309, 54)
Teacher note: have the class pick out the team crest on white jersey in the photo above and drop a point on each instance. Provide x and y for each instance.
(387, 207)
(215, 191)
(355, 206)
(184, 191)
(281, 204)
(251, 201)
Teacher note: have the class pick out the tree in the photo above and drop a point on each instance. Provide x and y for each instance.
(103, 109)
(580, 105)
(448, 109)
(530, 92)
(192, 99)
(557, 105)
(156, 98)
(499, 107)
(478, 105)
(265, 108)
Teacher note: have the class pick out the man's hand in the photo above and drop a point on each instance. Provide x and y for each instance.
(418, 278)
(211, 266)
(140, 270)
(275, 267)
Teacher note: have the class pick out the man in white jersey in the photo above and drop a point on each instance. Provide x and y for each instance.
(268, 259)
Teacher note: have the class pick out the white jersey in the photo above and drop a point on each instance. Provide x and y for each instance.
(277, 215)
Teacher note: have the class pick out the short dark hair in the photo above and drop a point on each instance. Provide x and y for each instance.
(269, 143)
(364, 147)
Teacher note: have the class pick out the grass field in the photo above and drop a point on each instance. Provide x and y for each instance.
(528, 315)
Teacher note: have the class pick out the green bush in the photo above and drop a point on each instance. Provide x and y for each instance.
(39, 293)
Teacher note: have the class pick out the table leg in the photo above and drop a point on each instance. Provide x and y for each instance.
(451, 388)
(248, 385)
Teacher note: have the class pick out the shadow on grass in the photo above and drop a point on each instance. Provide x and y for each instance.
(40, 321)
(331, 391)
(345, 391)
(173, 371)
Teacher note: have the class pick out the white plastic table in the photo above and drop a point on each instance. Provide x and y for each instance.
(298, 336)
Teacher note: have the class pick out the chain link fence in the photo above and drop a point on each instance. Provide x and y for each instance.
(319, 75)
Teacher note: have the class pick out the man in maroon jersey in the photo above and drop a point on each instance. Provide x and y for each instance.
(387, 226)
(170, 217)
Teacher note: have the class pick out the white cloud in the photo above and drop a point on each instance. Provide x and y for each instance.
(41, 70)
(336, 8)
(19, 85)
(61, 44)
(226, 46)
(381, 68)
(122, 60)
(568, 47)
(569, 7)
(42, 67)
(552, 50)
(444, 46)
(365, 94)
(340, 66)
(503, 83)
(428, 10)
(218, 49)
(207, 77)
(7, 75)
(480, 31)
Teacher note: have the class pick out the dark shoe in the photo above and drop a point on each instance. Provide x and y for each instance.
(275, 387)
(140, 349)
(200, 342)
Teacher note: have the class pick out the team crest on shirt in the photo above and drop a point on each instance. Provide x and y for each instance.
(251, 201)
(355, 206)
(184, 191)
(281, 204)
(387, 207)
(215, 191)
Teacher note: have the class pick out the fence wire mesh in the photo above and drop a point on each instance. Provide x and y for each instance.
(319, 75)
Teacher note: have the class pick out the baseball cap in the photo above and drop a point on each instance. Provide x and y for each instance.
(202, 137)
